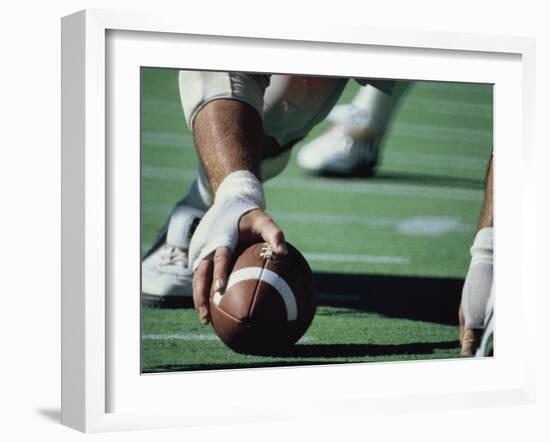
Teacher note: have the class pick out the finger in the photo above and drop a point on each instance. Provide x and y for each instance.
(461, 323)
(270, 233)
(202, 281)
(470, 341)
(222, 259)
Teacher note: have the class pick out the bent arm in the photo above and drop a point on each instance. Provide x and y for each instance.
(224, 111)
(228, 135)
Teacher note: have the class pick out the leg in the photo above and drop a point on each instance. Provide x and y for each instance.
(351, 146)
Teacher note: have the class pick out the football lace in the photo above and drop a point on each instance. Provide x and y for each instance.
(266, 252)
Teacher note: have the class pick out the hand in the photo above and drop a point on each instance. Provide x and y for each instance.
(476, 293)
(211, 271)
(469, 337)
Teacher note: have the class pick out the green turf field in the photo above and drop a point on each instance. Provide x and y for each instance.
(388, 253)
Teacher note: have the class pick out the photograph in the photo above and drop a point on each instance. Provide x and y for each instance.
(304, 220)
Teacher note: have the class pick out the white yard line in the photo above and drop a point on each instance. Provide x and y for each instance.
(196, 337)
(185, 141)
(167, 139)
(321, 218)
(181, 337)
(413, 158)
(411, 103)
(426, 225)
(168, 173)
(439, 87)
(376, 188)
(337, 186)
(398, 129)
(411, 226)
(454, 134)
(343, 258)
(370, 259)
(448, 107)
(439, 161)
(162, 107)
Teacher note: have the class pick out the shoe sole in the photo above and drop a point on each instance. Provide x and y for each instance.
(362, 171)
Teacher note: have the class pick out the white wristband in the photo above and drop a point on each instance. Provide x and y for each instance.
(483, 241)
(479, 280)
(242, 183)
(482, 248)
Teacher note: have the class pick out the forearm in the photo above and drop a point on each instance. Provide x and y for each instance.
(477, 288)
(486, 217)
(228, 136)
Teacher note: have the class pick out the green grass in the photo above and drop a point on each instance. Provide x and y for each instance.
(337, 335)
(431, 175)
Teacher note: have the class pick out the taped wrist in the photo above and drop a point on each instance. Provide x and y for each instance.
(244, 184)
(479, 279)
(482, 248)
(218, 228)
(239, 193)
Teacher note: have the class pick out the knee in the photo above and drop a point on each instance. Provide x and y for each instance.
(274, 157)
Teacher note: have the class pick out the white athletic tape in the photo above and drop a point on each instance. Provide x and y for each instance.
(218, 228)
(483, 241)
(269, 277)
(241, 183)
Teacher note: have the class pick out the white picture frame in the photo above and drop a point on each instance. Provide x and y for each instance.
(89, 317)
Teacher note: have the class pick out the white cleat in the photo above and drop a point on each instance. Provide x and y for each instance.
(337, 153)
(166, 276)
(350, 148)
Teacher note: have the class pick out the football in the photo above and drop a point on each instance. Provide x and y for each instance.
(268, 303)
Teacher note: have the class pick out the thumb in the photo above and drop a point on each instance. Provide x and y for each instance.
(271, 234)
(461, 322)
(470, 341)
